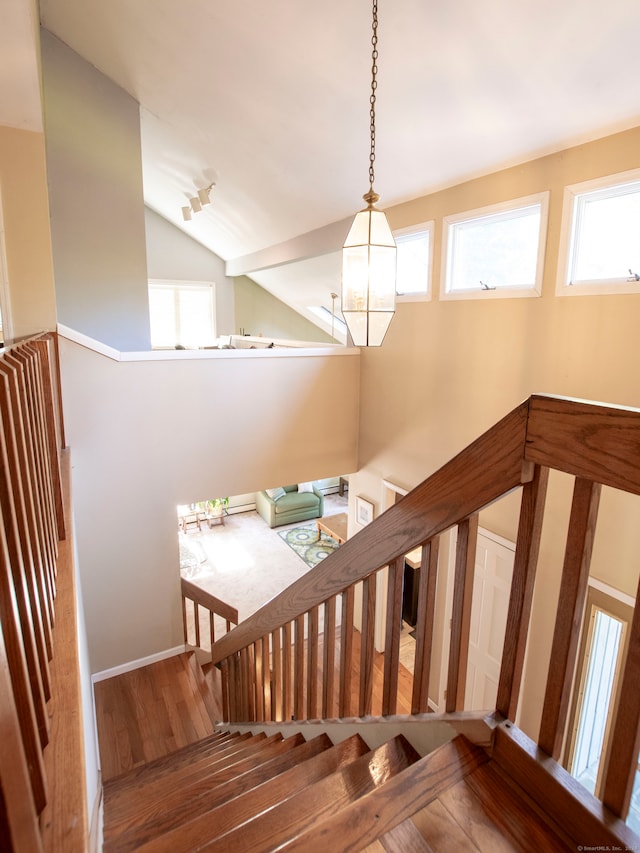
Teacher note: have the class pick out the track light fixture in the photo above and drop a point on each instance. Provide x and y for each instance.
(197, 202)
(204, 194)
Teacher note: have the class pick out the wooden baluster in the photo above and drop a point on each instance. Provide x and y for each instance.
(196, 622)
(184, 619)
(20, 587)
(522, 585)
(266, 678)
(276, 688)
(258, 680)
(392, 636)
(41, 533)
(461, 613)
(312, 664)
(287, 680)
(573, 591)
(19, 359)
(42, 452)
(43, 348)
(27, 482)
(212, 629)
(298, 670)
(233, 684)
(620, 773)
(346, 653)
(19, 828)
(367, 649)
(23, 544)
(329, 653)
(424, 625)
(13, 640)
(226, 704)
(245, 702)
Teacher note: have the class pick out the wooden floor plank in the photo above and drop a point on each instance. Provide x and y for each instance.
(441, 831)
(150, 712)
(188, 802)
(190, 834)
(405, 838)
(306, 808)
(401, 797)
(513, 813)
(156, 790)
(465, 809)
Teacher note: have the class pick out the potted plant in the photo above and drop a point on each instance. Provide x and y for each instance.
(216, 506)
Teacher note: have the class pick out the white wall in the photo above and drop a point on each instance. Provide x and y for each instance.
(94, 171)
(173, 255)
(146, 436)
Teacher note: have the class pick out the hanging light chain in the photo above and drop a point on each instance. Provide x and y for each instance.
(372, 99)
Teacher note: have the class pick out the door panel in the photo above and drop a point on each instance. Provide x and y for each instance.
(491, 585)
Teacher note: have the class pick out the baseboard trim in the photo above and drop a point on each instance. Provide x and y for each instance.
(136, 664)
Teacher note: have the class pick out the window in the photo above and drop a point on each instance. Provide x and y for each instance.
(496, 250)
(600, 250)
(334, 323)
(182, 314)
(413, 262)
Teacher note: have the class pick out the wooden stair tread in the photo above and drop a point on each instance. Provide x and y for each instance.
(190, 800)
(184, 755)
(388, 805)
(311, 805)
(513, 813)
(404, 838)
(255, 798)
(158, 788)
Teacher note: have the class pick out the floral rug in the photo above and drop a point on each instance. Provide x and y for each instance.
(304, 541)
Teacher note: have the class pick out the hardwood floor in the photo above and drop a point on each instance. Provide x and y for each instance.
(155, 710)
(152, 711)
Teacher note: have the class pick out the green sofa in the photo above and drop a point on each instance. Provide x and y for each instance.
(290, 506)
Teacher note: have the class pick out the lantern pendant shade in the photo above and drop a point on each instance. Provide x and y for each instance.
(369, 277)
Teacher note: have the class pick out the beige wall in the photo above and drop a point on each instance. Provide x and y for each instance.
(449, 370)
(260, 313)
(25, 215)
(147, 436)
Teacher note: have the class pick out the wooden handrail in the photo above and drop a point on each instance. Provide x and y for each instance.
(214, 606)
(281, 661)
(456, 491)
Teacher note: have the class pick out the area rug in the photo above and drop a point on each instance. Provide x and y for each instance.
(304, 541)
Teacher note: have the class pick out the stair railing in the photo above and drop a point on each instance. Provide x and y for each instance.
(299, 654)
(42, 732)
(200, 598)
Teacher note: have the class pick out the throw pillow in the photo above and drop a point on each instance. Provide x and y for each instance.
(276, 494)
(305, 487)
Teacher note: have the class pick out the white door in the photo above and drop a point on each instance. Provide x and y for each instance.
(491, 587)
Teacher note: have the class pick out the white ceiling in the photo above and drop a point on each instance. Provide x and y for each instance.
(271, 100)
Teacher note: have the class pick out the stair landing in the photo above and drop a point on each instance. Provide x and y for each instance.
(151, 712)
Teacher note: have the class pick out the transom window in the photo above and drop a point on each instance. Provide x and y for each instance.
(182, 314)
(496, 250)
(600, 247)
(413, 262)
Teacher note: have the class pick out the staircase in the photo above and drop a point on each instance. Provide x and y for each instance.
(176, 781)
(232, 791)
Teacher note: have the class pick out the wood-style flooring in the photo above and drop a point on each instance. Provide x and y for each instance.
(155, 710)
(151, 712)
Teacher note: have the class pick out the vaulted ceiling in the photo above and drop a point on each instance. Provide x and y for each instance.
(270, 102)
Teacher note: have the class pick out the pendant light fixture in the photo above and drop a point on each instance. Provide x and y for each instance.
(369, 252)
